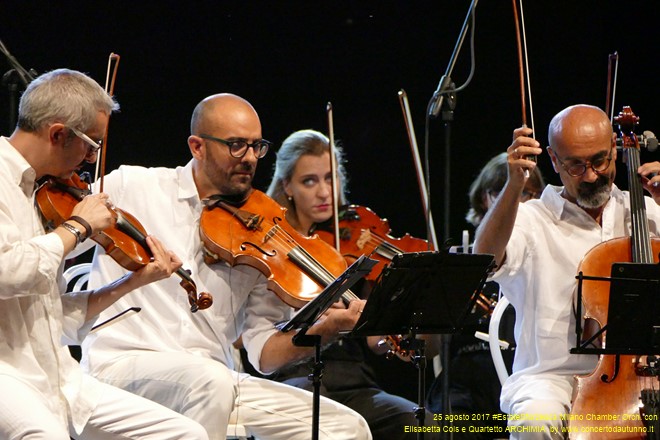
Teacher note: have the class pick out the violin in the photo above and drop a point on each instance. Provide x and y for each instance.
(254, 232)
(625, 386)
(125, 242)
(362, 232)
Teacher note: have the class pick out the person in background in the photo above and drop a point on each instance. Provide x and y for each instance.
(62, 116)
(474, 385)
(485, 189)
(302, 183)
(184, 360)
(538, 247)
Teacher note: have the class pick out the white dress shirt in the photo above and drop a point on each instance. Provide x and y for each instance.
(34, 313)
(549, 240)
(241, 302)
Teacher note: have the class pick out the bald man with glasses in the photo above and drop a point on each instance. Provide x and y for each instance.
(538, 247)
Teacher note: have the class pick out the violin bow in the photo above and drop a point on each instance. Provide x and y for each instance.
(613, 59)
(421, 180)
(523, 68)
(333, 171)
(111, 76)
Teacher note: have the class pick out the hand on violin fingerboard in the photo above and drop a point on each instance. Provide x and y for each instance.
(164, 263)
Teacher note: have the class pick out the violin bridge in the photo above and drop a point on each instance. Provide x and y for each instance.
(271, 233)
(363, 239)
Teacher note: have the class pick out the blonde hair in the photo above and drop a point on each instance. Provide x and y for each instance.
(295, 146)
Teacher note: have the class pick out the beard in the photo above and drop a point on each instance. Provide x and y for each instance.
(594, 195)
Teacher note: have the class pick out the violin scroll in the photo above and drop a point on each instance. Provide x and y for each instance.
(200, 301)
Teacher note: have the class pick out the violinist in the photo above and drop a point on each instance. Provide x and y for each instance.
(302, 183)
(538, 246)
(44, 393)
(474, 385)
(184, 360)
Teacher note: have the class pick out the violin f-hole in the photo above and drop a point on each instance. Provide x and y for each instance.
(245, 245)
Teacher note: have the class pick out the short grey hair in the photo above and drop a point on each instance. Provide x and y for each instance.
(66, 96)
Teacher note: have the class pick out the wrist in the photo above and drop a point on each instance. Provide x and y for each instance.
(77, 233)
(76, 220)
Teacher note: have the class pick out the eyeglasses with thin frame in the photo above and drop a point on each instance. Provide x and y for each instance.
(599, 165)
(239, 147)
(94, 146)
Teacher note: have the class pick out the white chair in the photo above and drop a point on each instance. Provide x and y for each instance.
(79, 273)
(494, 342)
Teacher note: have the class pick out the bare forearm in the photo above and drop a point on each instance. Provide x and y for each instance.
(279, 349)
(102, 298)
(495, 230)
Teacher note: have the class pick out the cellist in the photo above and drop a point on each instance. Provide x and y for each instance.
(538, 247)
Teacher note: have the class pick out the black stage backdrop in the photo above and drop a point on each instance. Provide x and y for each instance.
(290, 58)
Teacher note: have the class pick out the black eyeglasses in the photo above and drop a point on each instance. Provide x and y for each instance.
(599, 165)
(239, 147)
(94, 146)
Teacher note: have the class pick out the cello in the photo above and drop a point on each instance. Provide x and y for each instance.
(623, 390)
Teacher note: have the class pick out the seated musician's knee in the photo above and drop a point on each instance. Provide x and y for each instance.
(211, 386)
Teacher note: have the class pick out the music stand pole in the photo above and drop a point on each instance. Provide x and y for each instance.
(302, 339)
(310, 313)
(419, 361)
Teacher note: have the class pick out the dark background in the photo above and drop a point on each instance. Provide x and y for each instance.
(290, 58)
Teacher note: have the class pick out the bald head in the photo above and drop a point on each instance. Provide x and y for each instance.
(221, 111)
(577, 124)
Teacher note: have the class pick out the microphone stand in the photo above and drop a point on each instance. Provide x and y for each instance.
(443, 102)
(11, 79)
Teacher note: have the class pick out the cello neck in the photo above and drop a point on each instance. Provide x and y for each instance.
(640, 235)
(640, 238)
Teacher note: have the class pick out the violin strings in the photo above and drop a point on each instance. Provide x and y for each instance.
(285, 244)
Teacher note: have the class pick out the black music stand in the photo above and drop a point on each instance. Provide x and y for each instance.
(304, 318)
(633, 317)
(423, 293)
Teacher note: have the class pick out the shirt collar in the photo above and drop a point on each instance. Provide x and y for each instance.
(19, 170)
(558, 205)
(187, 187)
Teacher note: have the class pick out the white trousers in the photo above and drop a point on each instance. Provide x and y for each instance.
(213, 395)
(535, 422)
(25, 414)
